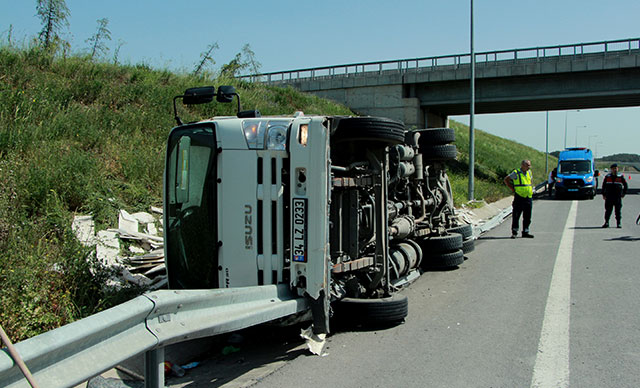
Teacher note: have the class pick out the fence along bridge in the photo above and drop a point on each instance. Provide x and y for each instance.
(423, 92)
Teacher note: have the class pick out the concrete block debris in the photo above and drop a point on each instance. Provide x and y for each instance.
(134, 250)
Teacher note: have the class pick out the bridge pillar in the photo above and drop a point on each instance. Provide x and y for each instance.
(435, 120)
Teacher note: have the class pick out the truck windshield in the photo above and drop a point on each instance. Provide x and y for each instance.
(190, 208)
(574, 167)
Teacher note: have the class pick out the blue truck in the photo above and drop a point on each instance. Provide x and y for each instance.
(576, 174)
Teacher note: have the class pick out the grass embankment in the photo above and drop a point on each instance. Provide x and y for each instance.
(495, 158)
(84, 137)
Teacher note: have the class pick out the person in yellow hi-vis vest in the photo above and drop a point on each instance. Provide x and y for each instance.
(520, 183)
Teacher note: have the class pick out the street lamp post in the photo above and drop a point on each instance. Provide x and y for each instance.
(546, 142)
(578, 126)
(566, 116)
(599, 142)
(472, 113)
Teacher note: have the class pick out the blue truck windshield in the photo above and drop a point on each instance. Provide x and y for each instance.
(576, 167)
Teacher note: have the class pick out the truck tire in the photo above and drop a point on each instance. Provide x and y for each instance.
(468, 245)
(465, 230)
(439, 152)
(388, 310)
(435, 136)
(440, 244)
(376, 129)
(443, 260)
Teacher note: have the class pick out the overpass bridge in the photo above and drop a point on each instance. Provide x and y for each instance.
(423, 92)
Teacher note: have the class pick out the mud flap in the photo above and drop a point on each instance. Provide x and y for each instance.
(315, 335)
(320, 313)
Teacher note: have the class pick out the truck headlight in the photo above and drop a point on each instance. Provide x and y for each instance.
(558, 180)
(263, 134)
(254, 134)
(277, 137)
(589, 179)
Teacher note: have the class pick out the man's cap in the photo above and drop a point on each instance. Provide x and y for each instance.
(614, 165)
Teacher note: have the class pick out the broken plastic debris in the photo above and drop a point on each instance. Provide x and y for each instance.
(229, 349)
(127, 222)
(173, 369)
(315, 342)
(190, 365)
(143, 217)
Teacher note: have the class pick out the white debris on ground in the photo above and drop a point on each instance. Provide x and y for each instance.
(142, 263)
(315, 342)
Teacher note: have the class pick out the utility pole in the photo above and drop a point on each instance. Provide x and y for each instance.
(546, 162)
(472, 113)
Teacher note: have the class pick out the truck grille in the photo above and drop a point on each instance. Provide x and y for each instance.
(271, 225)
(571, 183)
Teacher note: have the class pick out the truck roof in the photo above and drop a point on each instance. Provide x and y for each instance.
(580, 153)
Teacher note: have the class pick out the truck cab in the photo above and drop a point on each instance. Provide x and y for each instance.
(576, 174)
(346, 211)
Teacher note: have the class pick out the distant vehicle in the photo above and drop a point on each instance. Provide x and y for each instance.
(577, 175)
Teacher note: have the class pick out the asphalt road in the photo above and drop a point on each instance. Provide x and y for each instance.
(559, 310)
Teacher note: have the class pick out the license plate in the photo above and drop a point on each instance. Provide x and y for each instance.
(299, 230)
(573, 189)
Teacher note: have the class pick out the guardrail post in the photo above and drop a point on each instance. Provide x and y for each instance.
(154, 368)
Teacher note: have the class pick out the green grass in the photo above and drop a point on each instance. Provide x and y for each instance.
(495, 158)
(84, 137)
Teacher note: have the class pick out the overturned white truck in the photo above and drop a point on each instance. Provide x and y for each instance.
(344, 210)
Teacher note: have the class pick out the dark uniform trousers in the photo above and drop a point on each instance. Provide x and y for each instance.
(609, 204)
(521, 206)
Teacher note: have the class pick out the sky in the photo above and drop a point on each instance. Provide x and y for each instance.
(287, 35)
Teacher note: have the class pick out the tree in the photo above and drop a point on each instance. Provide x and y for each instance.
(245, 59)
(205, 57)
(53, 14)
(97, 40)
(116, 52)
(233, 67)
(250, 59)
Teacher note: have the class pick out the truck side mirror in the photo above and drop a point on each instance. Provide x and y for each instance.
(226, 93)
(202, 95)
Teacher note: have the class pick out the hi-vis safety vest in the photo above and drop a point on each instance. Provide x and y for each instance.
(522, 185)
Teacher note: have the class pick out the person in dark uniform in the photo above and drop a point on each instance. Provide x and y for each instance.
(614, 188)
(520, 183)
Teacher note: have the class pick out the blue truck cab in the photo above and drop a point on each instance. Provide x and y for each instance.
(576, 175)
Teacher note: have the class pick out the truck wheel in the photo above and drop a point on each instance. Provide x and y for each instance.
(440, 244)
(435, 136)
(439, 152)
(376, 129)
(392, 309)
(465, 230)
(468, 245)
(443, 260)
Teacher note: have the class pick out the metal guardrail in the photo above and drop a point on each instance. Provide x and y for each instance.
(74, 353)
(437, 62)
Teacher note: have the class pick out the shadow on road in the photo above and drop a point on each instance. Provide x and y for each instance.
(494, 238)
(623, 238)
(262, 347)
(587, 227)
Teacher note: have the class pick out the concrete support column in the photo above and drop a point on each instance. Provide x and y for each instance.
(435, 119)
(413, 116)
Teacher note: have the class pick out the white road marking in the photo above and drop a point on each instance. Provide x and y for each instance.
(552, 362)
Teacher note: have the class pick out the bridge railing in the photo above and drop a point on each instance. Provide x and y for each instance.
(445, 61)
